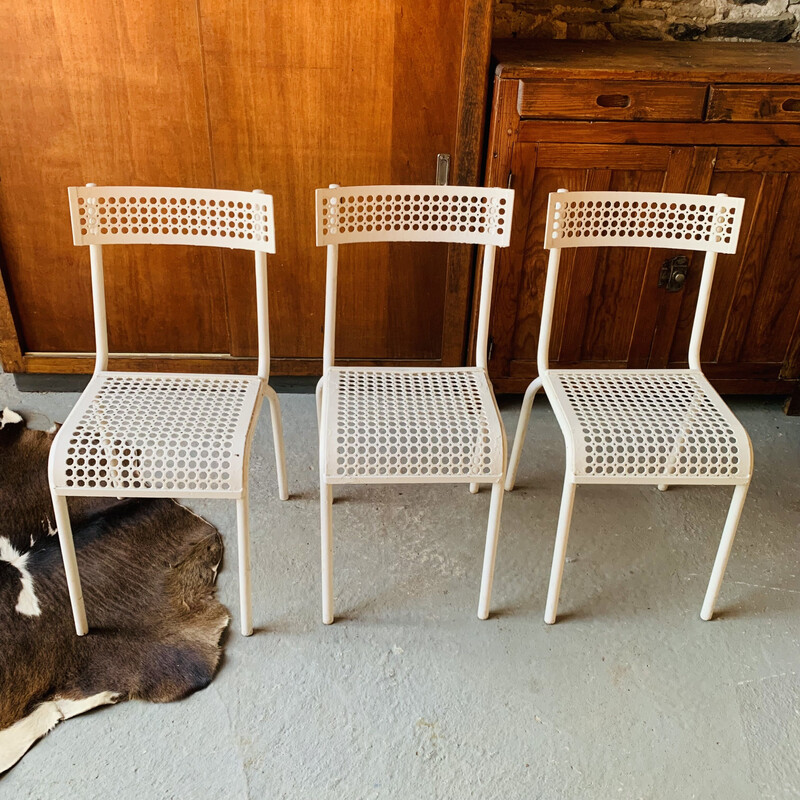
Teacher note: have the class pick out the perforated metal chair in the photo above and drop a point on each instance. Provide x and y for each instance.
(139, 434)
(410, 425)
(636, 426)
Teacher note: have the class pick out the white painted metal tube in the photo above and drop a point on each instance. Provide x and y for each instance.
(245, 599)
(487, 281)
(701, 310)
(548, 304)
(490, 552)
(262, 308)
(64, 529)
(99, 308)
(522, 430)
(330, 307)
(724, 551)
(560, 550)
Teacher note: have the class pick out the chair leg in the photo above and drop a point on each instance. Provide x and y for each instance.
(474, 488)
(560, 551)
(724, 551)
(277, 438)
(522, 429)
(61, 510)
(245, 599)
(326, 525)
(662, 487)
(490, 551)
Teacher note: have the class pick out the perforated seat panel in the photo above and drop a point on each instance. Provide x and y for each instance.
(648, 426)
(157, 435)
(400, 425)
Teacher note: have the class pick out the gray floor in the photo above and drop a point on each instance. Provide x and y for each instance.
(409, 695)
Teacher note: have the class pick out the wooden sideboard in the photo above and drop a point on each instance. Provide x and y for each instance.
(246, 94)
(650, 116)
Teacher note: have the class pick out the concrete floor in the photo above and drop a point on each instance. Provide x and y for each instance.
(409, 695)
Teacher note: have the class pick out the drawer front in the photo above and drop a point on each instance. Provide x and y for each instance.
(612, 100)
(754, 103)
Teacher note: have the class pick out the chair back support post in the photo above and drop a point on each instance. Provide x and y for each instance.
(701, 310)
(262, 310)
(99, 308)
(487, 282)
(548, 304)
(331, 275)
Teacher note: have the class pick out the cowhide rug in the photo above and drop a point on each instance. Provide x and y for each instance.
(148, 569)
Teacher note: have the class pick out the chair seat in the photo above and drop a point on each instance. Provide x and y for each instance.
(648, 426)
(157, 435)
(396, 425)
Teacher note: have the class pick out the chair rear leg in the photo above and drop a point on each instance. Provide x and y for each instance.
(560, 550)
(277, 438)
(474, 488)
(522, 429)
(245, 598)
(490, 551)
(724, 551)
(61, 510)
(326, 526)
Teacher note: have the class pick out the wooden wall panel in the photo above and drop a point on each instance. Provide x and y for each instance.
(317, 92)
(109, 93)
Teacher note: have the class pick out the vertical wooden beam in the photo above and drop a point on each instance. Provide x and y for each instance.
(466, 168)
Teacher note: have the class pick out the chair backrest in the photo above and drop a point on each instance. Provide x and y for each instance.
(705, 223)
(455, 214)
(461, 214)
(708, 223)
(167, 215)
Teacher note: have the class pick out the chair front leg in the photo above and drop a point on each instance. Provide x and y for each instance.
(61, 510)
(724, 551)
(245, 598)
(522, 429)
(560, 550)
(490, 551)
(326, 543)
(277, 438)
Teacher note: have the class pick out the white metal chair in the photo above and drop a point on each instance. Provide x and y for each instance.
(639, 426)
(139, 434)
(410, 425)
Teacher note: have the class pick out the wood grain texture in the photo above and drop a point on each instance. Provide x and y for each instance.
(611, 100)
(243, 95)
(110, 94)
(334, 97)
(754, 103)
(610, 311)
(710, 133)
(648, 61)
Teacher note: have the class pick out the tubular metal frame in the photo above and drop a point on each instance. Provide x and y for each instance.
(409, 425)
(659, 427)
(165, 435)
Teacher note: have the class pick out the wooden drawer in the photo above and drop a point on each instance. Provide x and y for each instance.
(611, 100)
(738, 103)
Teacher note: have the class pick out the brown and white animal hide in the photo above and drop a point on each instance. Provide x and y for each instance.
(148, 569)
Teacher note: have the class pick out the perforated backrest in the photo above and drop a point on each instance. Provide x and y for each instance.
(164, 215)
(640, 219)
(414, 214)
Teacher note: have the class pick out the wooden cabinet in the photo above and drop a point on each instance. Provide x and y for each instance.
(652, 117)
(282, 96)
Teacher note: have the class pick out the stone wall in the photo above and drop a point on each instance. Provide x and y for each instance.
(763, 20)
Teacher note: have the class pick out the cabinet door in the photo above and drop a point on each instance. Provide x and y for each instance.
(608, 304)
(752, 329)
